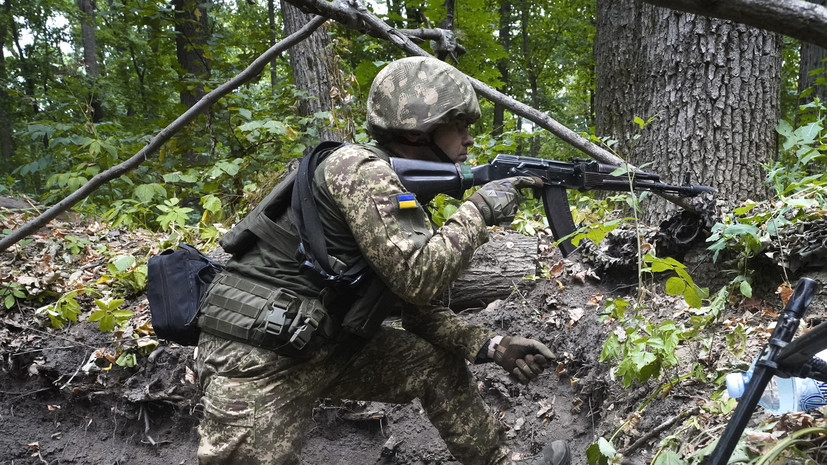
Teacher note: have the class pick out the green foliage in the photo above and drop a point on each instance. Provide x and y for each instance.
(10, 293)
(126, 277)
(109, 315)
(799, 181)
(65, 309)
(643, 349)
(601, 452)
(682, 284)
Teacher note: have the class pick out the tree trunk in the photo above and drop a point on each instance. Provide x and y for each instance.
(90, 56)
(312, 62)
(530, 69)
(192, 34)
(812, 57)
(6, 126)
(271, 21)
(502, 66)
(497, 269)
(712, 86)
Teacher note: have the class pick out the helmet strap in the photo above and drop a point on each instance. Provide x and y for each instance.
(429, 143)
(438, 151)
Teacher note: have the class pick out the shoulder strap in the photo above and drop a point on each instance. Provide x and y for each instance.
(312, 246)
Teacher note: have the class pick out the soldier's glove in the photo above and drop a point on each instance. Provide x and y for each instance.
(499, 200)
(523, 358)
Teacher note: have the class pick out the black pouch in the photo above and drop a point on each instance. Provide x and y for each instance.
(176, 280)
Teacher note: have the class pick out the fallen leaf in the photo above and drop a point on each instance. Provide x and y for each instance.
(545, 408)
(574, 315)
(785, 291)
(595, 300)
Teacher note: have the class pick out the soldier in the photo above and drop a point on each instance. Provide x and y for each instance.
(260, 388)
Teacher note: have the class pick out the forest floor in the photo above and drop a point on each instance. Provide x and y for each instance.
(63, 401)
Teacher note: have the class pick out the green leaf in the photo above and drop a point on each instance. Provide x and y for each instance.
(659, 266)
(675, 286)
(600, 452)
(122, 313)
(211, 203)
(746, 289)
(784, 128)
(669, 458)
(693, 297)
(123, 262)
(107, 323)
(639, 121)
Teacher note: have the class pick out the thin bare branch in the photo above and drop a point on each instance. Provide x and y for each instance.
(164, 135)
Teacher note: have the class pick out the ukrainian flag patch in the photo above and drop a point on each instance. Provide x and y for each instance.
(406, 201)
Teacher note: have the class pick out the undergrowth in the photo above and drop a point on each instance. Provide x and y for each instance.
(640, 350)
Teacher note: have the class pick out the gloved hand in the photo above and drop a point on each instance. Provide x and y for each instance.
(499, 200)
(523, 358)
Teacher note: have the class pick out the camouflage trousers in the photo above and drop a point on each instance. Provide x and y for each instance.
(257, 404)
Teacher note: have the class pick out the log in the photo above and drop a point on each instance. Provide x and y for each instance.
(496, 270)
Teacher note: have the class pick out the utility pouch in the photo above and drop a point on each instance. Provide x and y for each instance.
(370, 308)
(243, 310)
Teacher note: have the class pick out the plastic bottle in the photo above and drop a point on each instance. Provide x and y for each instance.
(783, 395)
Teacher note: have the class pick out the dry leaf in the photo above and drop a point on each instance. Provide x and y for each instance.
(574, 315)
(595, 300)
(785, 291)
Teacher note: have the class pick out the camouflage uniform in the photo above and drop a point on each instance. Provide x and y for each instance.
(257, 403)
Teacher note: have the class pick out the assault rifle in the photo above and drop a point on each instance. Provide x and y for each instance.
(427, 179)
(781, 356)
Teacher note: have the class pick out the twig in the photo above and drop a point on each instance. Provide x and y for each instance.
(20, 396)
(659, 429)
(82, 363)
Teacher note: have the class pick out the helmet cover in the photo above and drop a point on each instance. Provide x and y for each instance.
(418, 94)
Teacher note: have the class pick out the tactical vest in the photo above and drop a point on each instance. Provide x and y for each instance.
(248, 302)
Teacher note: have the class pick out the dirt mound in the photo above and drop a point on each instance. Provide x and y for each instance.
(64, 401)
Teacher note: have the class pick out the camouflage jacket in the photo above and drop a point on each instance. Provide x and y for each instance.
(367, 212)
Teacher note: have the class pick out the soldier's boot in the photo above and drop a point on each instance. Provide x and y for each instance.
(556, 453)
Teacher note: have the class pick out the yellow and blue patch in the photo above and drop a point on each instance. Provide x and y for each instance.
(406, 201)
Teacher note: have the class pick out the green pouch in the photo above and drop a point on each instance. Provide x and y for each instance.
(243, 310)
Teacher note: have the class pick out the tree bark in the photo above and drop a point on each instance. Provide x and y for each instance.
(6, 125)
(812, 57)
(795, 18)
(90, 56)
(496, 270)
(712, 86)
(312, 63)
(193, 32)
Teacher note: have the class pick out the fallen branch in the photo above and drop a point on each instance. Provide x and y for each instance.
(659, 429)
(802, 20)
(354, 14)
(162, 137)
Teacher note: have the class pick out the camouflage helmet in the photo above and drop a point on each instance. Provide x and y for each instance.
(418, 94)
